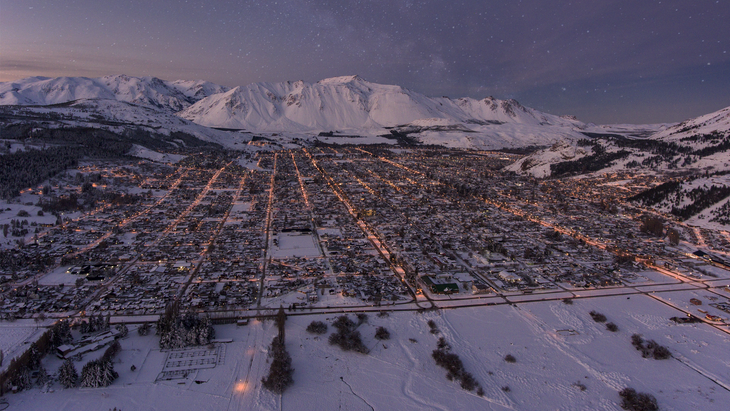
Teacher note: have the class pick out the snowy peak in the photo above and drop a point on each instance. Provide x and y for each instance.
(146, 91)
(197, 89)
(341, 80)
(44, 91)
(354, 104)
(347, 104)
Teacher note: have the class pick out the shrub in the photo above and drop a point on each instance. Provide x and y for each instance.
(317, 327)
(637, 401)
(568, 301)
(612, 327)
(454, 367)
(510, 358)
(637, 341)
(362, 318)
(661, 353)
(433, 327)
(382, 334)
(506, 388)
(651, 350)
(468, 382)
(346, 336)
(343, 322)
(349, 341)
(23, 213)
(598, 317)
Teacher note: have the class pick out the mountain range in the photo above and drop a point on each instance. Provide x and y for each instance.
(341, 105)
(333, 107)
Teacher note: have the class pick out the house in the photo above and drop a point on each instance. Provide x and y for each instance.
(63, 350)
(479, 288)
(443, 288)
(510, 278)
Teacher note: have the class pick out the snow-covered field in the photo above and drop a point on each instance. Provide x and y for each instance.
(295, 245)
(143, 152)
(564, 360)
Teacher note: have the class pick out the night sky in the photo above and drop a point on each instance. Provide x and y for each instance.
(622, 61)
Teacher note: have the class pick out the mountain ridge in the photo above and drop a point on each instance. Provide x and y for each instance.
(144, 91)
(339, 105)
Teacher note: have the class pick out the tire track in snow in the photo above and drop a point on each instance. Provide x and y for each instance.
(407, 387)
(492, 392)
(614, 380)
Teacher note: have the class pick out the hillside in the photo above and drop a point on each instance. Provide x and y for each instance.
(116, 116)
(693, 155)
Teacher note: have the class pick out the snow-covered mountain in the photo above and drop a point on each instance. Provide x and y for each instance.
(115, 116)
(352, 105)
(145, 91)
(345, 105)
(716, 122)
(700, 143)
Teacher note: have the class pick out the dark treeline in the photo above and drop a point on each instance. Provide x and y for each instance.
(656, 194)
(177, 330)
(722, 214)
(701, 199)
(21, 259)
(19, 370)
(68, 145)
(25, 169)
(600, 159)
(281, 372)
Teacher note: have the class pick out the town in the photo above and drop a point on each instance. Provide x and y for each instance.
(332, 227)
(166, 273)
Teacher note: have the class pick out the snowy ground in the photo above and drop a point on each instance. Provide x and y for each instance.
(16, 336)
(143, 152)
(558, 347)
(295, 244)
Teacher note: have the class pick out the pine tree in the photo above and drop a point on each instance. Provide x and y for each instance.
(98, 373)
(280, 373)
(22, 380)
(67, 374)
(42, 376)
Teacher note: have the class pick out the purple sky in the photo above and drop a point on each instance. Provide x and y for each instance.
(604, 61)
